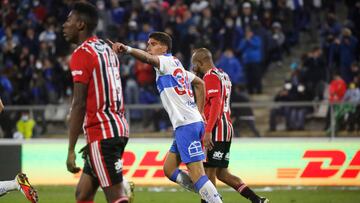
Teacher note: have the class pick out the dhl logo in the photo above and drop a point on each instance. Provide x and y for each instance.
(316, 169)
(149, 160)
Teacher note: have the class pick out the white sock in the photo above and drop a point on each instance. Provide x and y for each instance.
(207, 190)
(6, 186)
(183, 179)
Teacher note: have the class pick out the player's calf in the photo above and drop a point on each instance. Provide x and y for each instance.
(183, 179)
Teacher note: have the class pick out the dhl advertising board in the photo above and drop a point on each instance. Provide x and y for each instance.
(256, 161)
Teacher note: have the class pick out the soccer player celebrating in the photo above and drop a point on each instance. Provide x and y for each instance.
(21, 183)
(98, 106)
(174, 84)
(219, 130)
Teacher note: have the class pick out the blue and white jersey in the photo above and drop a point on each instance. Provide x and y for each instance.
(174, 85)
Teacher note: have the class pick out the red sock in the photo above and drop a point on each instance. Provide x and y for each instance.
(240, 188)
(246, 192)
(122, 200)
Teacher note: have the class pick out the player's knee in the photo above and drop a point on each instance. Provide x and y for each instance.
(83, 197)
(221, 175)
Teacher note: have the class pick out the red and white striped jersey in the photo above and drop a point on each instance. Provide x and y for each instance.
(218, 88)
(94, 63)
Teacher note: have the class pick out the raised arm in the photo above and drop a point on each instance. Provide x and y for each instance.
(139, 54)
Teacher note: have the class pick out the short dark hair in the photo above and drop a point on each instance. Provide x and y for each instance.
(87, 13)
(163, 38)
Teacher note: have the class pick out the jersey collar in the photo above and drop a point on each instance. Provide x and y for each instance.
(209, 71)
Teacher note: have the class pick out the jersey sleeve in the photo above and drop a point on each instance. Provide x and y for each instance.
(212, 86)
(191, 76)
(164, 64)
(81, 66)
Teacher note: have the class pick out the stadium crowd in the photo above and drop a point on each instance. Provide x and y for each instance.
(244, 36)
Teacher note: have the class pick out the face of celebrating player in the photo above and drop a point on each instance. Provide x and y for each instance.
(154, 47)
(72, 27)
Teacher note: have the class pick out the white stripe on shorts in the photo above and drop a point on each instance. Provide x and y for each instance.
(98, 164)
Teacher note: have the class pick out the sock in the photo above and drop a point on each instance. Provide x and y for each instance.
(122, 200)
(207, 190)
(182, 178)
(203, 201)
(6, 186)
(246, 192)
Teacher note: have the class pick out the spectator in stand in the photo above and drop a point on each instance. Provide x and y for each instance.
(281, 111)
(354, 16)
(279, 38)
(25, 126)
(331, 28)
(145, 76)
(337, 90)
(284, 16)
(198, 6)
(251, 55)
(347, 50)
(232, 66)
(352, 116)
(315, 73)
(242, 115)
(298, 113)
(247, 16)
(355, 70)
(6, 89)
(230, 34)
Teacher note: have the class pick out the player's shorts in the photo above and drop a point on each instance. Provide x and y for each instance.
(218, 157)
(187, 142)
(103, 160)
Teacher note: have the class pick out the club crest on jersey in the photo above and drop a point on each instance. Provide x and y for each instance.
(99, 47)
(195, 149)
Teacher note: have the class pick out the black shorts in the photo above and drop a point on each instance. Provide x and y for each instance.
(219, 156)
(103, 160)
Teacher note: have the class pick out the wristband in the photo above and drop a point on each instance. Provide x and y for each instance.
(128, 49)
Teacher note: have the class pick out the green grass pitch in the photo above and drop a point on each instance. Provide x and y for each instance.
(65, 194)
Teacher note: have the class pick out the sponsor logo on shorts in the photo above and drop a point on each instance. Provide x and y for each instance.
(195, 149)
(118, 166)
(218, 155)
(227, 156)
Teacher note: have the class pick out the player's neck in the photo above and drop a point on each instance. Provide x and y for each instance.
(83, 37)
(209, 66)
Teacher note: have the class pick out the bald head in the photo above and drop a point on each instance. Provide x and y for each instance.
(202, 54)
(202, 60)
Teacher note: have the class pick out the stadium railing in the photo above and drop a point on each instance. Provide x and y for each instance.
(58, 113)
